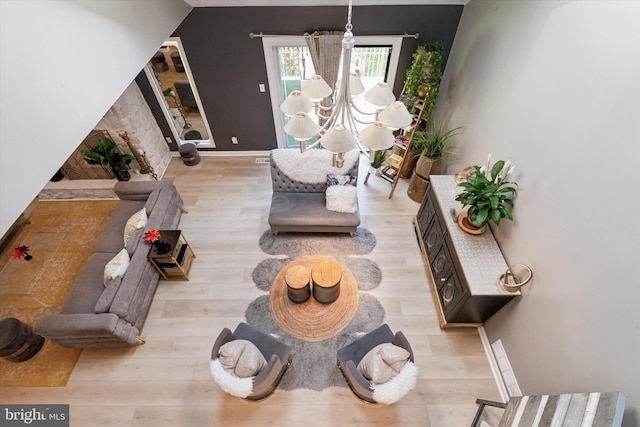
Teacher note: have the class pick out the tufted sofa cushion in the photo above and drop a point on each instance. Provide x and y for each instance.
(284, 184)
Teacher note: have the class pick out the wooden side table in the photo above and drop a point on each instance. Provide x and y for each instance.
(326, 276)
(175, 264)
(298, 280)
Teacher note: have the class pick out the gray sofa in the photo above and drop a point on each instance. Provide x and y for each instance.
(97, 316)
(300, 207)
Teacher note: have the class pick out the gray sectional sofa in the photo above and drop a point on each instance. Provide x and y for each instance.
(298, 206)
(97, 316)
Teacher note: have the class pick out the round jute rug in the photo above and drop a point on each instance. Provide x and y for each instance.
(311, 320)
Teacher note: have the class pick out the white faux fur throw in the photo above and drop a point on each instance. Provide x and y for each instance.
(312, 166)
(394, 389)
(236, 386)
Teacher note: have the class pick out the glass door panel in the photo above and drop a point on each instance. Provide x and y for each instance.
(289, 67)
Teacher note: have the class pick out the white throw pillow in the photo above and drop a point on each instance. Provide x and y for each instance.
(137, 220)
(398, 386)
(383, 362)
(342, 198)
(236, 386)
(116, 267)
(242, 358)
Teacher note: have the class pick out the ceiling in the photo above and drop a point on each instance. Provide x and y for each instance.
(239, 3)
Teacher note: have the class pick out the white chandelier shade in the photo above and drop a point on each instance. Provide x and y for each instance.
(338, 132)
(301, 127)
(317, 89)
(354, 83)
(396, 116)
(295, 103)
(338, 139)
(380, 95)
(377, 136)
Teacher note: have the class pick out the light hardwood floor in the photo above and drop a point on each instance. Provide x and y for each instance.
(166, 382)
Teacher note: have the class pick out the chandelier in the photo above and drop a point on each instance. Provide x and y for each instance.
(337, 132)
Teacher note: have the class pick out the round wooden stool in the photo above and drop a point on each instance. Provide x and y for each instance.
(326, 276)
(17, 340)
(298, 280)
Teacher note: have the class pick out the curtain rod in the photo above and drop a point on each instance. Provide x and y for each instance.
(260, 34)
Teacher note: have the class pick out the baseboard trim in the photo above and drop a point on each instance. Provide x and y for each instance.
(211, 153)
(493, 363)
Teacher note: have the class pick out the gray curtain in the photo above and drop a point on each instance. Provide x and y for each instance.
(325, 48)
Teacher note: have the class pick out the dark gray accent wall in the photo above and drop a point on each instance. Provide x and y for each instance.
(228, 65)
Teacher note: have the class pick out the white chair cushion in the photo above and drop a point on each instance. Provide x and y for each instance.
(242, 358)
(383, 362)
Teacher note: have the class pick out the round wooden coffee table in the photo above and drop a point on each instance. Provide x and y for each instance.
(312, 320)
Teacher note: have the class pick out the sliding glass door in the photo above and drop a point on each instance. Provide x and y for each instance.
(289, 66)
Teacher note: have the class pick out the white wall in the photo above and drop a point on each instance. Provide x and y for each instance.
(63, 63)
(555, 86)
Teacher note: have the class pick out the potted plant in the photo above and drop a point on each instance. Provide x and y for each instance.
(435, 143)
(420, 94)
(377, 161)
(106, 154)
(488, 194)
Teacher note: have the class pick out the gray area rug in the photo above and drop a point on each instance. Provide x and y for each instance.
(299, 244)
(366, 272)
(314, 364)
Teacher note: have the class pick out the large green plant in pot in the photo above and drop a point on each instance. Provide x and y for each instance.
(488, 193)
(106, 154)
(436, 142)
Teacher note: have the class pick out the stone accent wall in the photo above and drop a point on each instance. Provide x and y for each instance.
(132, 115)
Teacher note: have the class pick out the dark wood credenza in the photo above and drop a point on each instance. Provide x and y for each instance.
(464, 269)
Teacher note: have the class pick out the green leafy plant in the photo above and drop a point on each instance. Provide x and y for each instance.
(417, 73)
(490, 198)
(436, 142)
(106, 154)
(433, 83)
(378, 158)
(425, 72)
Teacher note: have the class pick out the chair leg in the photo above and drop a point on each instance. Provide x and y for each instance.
(482, 404)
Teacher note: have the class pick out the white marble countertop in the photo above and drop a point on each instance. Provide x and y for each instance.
(480, 256)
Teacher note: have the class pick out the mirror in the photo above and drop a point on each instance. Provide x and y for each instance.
(175, 89)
